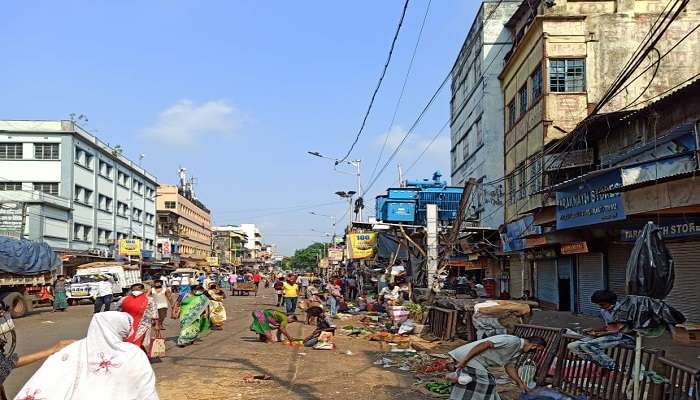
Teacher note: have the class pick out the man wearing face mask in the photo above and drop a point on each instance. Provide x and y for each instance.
(144, 313)
(473, 359)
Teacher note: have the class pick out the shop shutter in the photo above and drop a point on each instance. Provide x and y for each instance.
(618, 255)
(516, 277)
(547, 282)
(685, 295)
(590, 278)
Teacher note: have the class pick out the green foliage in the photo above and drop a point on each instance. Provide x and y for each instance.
(286, 263)
(307, 259)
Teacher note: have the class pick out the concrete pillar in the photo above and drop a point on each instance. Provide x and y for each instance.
(432, 238)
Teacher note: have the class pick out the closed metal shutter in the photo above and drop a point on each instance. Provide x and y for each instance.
(590, 277)
(618, 255)
(516, 277)
(547, 282)
(685, 295)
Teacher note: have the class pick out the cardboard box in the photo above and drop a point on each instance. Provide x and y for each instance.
(687, 334)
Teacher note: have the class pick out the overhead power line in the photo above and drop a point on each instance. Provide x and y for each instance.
(403, 90)
(379, 84)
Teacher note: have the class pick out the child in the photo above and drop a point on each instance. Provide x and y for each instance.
(323, 324)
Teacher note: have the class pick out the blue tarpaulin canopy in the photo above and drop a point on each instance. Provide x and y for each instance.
(26, 257)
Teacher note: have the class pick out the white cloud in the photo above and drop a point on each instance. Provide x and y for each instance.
(186, 122)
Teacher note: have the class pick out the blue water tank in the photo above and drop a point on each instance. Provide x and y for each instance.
(400, 211)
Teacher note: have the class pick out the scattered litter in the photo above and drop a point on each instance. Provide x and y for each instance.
(252, 378)
(302, 354)
(350, 353)
(47, 322)
(397, 350)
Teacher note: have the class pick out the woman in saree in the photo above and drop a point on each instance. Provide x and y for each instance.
(217, 311)
(265, 321)
(60, 299)
(194, 316)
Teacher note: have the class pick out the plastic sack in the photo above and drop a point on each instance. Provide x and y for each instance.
(543, 393)
(645, 313)
(650, 267)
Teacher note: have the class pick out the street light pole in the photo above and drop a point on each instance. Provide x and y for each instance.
(357, 164)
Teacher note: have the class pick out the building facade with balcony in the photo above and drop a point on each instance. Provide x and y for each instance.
(228, 244)
(72, 190)
(184, 223)
(254, 241)
(565, 57)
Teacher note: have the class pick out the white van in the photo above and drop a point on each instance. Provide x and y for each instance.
(87, 277)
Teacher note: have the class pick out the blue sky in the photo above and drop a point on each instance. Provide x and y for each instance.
(239, 91)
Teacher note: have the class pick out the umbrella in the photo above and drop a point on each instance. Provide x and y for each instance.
(649, 280)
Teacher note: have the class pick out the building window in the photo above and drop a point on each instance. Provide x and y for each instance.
(105, 203)
(150, 219)
(522, 185)
(170, 204)
(511, 189)
(105, 170)
(122, 209)
(136, 214)
(123, 179)
(81, 232)
(10, 186)
(465, 147)
(83, 158)
(83, 195)
(522, 96)
(511, 114)
(536, 83)
(104, 236)
(46, 151)
(11, 151)
(48, 188)
(138, 186)
(567, 75)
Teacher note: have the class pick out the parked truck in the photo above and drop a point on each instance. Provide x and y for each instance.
(83, 285)
(25, 268)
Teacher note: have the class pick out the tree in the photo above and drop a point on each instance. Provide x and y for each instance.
(307, 258)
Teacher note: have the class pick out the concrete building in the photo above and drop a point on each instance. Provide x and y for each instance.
(477, 110)
(183, 221)
(75, 192)
(566, 54)
(229, 244)
(254, 243)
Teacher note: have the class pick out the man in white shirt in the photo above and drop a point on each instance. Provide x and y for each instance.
(104, 294)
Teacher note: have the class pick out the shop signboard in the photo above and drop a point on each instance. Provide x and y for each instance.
(130, 247)
(671, 228)
(362, 244)
(12, 219)
(164, 248)
(574, 248)
(323, 263)
(336, 253)
(213, 261)
(514, 236)
(587, 202)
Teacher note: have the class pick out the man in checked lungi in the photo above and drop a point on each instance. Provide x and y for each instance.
(473, 360)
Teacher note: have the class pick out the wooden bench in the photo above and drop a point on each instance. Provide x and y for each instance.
(442, 322)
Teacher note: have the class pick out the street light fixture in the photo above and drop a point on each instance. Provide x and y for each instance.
(355, 163)
(332, 217)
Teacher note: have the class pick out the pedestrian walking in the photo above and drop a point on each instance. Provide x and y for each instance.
(351, 283)
(104, 296)
(592, 348)
(60, 298)
(290, 290)
(333, 298)
(144, 314)
(256, 279)
(194, 316)
(217, 311)
(279, 290)
(101, 366)
(476, 358)
(163, 298)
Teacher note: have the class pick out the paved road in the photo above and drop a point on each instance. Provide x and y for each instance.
(216, 367)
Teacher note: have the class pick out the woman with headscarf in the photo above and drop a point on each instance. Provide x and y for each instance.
(265, 321)
(217, 311)
(101, 366)
(144, 313)
(194, 316)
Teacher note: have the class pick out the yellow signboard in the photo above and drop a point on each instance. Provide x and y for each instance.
(130, 247)
(213, 261)
(335, 253)
(323, 263)
(362, 244)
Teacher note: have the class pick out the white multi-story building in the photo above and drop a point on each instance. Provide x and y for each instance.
(254, 242)
(477, 110)
(77, 193)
